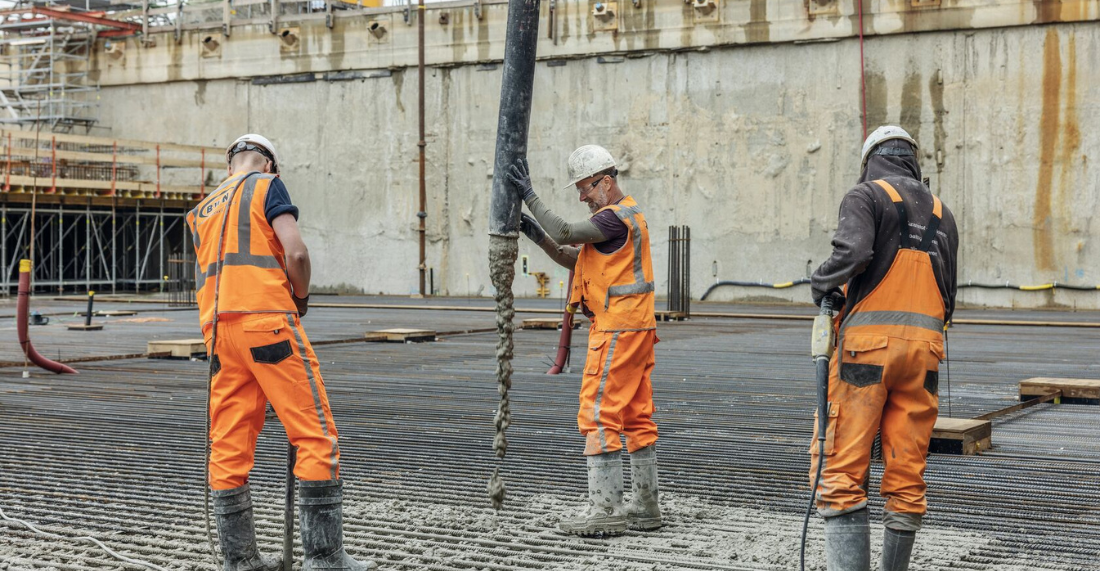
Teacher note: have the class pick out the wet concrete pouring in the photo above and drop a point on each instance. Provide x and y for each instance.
(116, 452)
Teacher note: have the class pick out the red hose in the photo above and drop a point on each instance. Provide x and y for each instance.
(21, 323)
(566, 337)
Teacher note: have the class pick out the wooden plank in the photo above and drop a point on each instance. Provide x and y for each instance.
(961, 436)
(1025, 403)
(82, 327)
(542, 323)
(1074, 391)
(662, 315)
(116, 312)
(218, 152)
(177, 348)
(107, 157)
(401, 335)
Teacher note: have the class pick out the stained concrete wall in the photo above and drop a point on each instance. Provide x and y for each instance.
(752, 146)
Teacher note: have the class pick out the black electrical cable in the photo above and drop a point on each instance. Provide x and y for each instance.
(821, 369)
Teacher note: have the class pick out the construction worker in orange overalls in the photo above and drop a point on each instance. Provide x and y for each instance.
(252, 282)
(613, 286)
(894, 253)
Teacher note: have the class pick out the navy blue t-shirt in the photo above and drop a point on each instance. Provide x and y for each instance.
(278, 201)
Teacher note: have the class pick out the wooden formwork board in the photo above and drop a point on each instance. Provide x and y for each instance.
(115, 313)
(401, 335)
(670, 315)
(82, 327)
(546, 323)
(176, 348)
(961, 436)
(1074, 391)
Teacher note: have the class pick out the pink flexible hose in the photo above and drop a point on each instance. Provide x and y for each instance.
(21, 324)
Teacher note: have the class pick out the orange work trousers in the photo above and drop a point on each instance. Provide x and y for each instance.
(264, 357)
(616, 392)
(885, 384)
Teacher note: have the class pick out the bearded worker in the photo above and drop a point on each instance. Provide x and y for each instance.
(613, 286)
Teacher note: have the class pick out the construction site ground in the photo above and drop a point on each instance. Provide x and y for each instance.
(116, 452)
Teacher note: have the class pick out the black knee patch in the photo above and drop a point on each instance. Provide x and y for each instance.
(860, 375)
(273, 353)
(215, 365)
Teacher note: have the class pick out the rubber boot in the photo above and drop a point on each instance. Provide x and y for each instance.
(848, 542)
(897, 548)
(644, 511)
(321, 514)
(237, 532)
(604, 514)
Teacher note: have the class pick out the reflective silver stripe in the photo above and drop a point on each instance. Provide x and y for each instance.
(244, 255)
(630, 289)
(316, 396)
(201, 276)
(239, 259)
(244, 214)
(624, 212)
(599, 394)
(235, 259)
(906, 318)
(640, 286)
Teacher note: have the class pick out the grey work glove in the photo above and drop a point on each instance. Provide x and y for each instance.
(530, 228)
(520, 178)
(302, 303)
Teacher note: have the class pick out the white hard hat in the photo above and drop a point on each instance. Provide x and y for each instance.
(881, 135)
(587, 161)
(253, 140)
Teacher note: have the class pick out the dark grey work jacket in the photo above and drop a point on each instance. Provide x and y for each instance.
(867, 235)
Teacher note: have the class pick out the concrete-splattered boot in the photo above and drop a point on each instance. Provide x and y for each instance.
(237, 532)
(848, 542)
(321, 514)
(605, 514)
(644, 511)
(897, 548)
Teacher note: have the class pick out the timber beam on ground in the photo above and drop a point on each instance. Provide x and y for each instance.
(1069, 391)
(961, 436)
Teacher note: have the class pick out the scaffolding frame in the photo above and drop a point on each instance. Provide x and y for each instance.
(44, 62)
(88, 246)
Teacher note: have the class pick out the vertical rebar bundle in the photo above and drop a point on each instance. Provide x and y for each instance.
(679, 269)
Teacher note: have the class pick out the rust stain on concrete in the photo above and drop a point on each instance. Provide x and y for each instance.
(1043, 233)
(1071, 138)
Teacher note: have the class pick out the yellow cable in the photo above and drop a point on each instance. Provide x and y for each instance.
(1036, 287)
(783, 285)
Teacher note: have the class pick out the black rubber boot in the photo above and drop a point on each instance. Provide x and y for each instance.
(897, 548)
(321, 512)
(644, 511)
(237, 532)
(848, 542)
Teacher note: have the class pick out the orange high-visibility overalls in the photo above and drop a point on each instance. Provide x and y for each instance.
(262, 352)
(616, 392)
(885, 376)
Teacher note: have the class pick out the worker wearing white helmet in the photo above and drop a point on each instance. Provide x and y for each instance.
(894, 255)
(252, 286)
(613, 286)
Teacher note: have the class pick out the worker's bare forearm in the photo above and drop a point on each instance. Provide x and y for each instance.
(564, 256)
(560, 231)
(298, 271)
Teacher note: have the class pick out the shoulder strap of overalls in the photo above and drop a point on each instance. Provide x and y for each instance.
(933, 224)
